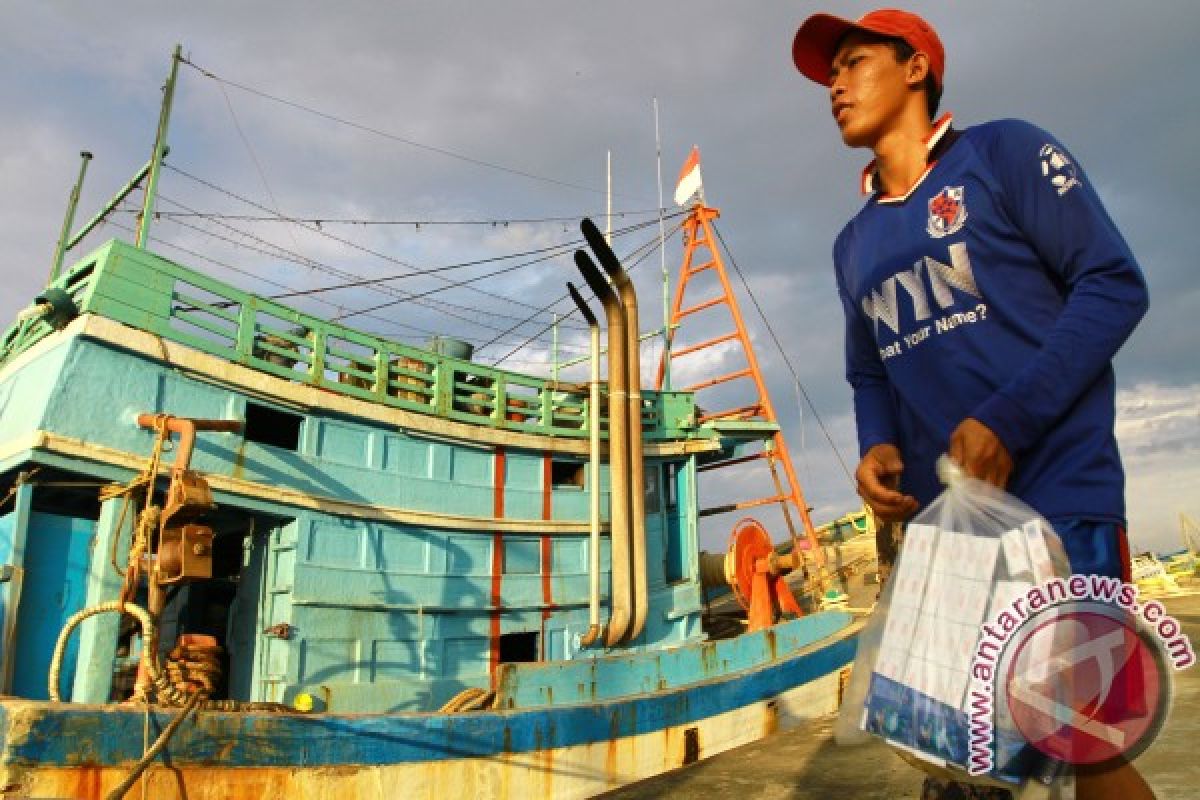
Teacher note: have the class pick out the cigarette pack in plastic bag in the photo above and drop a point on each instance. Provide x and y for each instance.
(962, 559)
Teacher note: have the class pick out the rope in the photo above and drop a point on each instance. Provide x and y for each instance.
(159, 745)
(246, 273)
(12, 492)
(149, 639)
(497, 222)
(647, 247)
(319, 231)
(22, 479)
(191, 669)
(470, 699)
(783, 353)
(150, 516)
(390, 136)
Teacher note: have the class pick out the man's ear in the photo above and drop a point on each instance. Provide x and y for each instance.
(918, 69)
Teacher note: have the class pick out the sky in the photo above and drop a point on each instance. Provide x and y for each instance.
(508, 111)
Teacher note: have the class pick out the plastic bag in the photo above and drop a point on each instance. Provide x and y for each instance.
(962, 559)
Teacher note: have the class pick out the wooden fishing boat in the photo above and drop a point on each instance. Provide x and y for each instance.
(251, 552)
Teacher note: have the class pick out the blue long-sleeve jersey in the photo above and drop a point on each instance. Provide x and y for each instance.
(999, 289)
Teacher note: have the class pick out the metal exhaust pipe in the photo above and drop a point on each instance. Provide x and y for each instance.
(618, 449)
(637, 464)
(594, 627)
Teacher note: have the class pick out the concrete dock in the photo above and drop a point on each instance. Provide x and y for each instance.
(805, 764)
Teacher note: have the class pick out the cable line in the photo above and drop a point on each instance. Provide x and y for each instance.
(554, 250)
(339, 239)
(418, 223)
(391, 136)
(648, 247)
(278, 251)
(786, 360)
(256, 277)
(305, 261)
(494, 273)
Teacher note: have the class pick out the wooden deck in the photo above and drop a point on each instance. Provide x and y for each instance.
(805, 764)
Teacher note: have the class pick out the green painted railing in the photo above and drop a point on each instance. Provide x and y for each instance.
(143, 290)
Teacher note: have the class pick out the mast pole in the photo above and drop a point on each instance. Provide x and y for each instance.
(60, 249)
(662, 257)
(160, 147)
(608, 206)
(554, 349)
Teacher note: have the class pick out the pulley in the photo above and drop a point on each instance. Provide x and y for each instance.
(755, 573)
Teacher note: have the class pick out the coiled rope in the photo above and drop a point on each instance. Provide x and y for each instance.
(149, 637)
(470, 699)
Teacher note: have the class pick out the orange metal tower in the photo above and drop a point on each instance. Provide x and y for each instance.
(700, 255)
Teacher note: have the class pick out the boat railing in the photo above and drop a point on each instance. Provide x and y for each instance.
(140, 289)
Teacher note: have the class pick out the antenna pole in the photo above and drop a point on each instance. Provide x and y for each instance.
(160, 149)
(608, 207)
(61, 248)
(662, 257)
(554, 349)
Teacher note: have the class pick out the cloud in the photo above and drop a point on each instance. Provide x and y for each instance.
(1158, 428)
(550, 90)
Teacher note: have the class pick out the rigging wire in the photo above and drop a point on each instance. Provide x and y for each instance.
(647, 247)
(477, 278)
(554, 250)
(376, 318)
(560, 317)
(782, 352)
(390, 136)
(347, 242)
(248, 274)
(301, 260)
(254, 158)
(417, 223)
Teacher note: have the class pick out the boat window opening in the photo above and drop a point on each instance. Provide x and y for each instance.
(566, 474)
(672, 487)
(675, 549)
(652, 489)
(267, 425)
(519, 647)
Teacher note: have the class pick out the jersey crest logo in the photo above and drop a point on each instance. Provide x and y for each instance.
(1058, 169)
(947, 212)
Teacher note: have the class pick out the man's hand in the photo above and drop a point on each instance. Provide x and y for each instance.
(980, 453)
(878, 477)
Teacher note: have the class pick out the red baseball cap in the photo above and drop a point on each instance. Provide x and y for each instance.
(817, 40)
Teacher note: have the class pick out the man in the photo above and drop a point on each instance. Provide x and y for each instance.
(985, 292)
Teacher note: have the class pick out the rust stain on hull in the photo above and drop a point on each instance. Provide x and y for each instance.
(165, 783)
(771, 718)
(89, 783)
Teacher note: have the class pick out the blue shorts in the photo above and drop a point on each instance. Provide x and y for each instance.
(1095, 547)
(1102, 548)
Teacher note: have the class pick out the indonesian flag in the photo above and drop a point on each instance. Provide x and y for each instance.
(689, 179)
